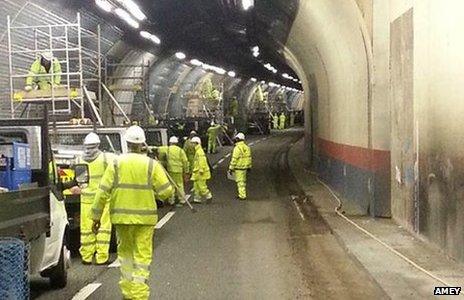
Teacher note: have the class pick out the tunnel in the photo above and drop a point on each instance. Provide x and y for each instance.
(359, 197)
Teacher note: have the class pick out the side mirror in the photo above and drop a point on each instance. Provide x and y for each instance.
(81, 173)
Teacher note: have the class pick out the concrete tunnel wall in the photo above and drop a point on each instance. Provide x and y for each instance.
(384, 107)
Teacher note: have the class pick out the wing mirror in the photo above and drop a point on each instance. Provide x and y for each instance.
(81, 173)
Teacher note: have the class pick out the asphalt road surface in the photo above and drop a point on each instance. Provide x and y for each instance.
(273, 246)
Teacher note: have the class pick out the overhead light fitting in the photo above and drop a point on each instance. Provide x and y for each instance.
(231, 74)
(180, 55)
(196, 62)
(151, 37)
(255, 51)
(126, 17)
(253, 79)
(247, 4)
(133, 9)
(104, 5)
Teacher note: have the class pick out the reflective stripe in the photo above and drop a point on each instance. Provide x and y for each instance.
(88, 194)
(86, 233)
(129, 186)
(105, 161)
(126, 275)
(133, 211)
(88, 243)
(103, 242)
(104, 188)
(142, 266)
(163, 187)
(116, 175)
(150, 173)
(104, 231)
(139, 279)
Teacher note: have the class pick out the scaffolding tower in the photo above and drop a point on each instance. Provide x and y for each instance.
(80, 66)
(130, 78)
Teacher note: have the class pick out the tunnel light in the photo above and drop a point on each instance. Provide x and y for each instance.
(253, 79)
(263, 82)
(151, 37)
(180, 55)
(104, 5)
(247, 4)
(196, 62)
(255, 51)
(133, 8)
(231, 74)
(295, 80)
(220, 71)
(126, 17)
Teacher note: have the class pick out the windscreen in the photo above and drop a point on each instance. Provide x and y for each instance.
(110, 142)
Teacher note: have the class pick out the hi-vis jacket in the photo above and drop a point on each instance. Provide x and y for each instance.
(241, 157)
(38, 69)
(200, 170)
(175, 159)
(131, 183)
(96, 170)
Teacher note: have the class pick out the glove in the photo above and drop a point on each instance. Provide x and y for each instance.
(28, 88)
(96, 226)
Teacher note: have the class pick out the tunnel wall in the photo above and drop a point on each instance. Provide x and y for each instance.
(348, 151)
(383, 83)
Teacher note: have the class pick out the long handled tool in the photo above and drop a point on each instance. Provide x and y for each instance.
(180, 193)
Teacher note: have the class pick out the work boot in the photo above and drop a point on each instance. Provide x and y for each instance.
(197, 201)
(86, 263)
(209, 200)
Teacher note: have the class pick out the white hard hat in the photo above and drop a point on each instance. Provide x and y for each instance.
(240, 136)
(48, 55)
(173, 140)
(193, 132)
(197, 140)
(135, 135)
(91, 139)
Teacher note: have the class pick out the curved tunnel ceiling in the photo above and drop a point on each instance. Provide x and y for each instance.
(219, 32)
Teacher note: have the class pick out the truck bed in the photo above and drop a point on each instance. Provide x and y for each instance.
(25, 214)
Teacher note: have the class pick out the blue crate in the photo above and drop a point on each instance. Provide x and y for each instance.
(15, 165)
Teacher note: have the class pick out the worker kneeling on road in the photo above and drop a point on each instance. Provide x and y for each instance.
(177, 165)
(200, 174)
(131, 184)
(44, 64)
(94, 244)
(240, 164)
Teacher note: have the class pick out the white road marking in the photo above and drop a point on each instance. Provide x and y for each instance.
(115, 264)
(220, 161)
(299, 210)
(227, 155)
(86, 291)
(164, 220)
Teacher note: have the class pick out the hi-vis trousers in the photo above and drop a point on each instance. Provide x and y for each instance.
(94, 244)
(135, 251)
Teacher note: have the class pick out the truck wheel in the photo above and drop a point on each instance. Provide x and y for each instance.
(59, 274)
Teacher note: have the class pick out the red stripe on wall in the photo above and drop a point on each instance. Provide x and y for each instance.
(377, 161)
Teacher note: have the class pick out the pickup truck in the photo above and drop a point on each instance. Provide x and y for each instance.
(67, 145)
(35, 213)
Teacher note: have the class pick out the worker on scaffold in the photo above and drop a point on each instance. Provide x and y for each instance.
(44, 64)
